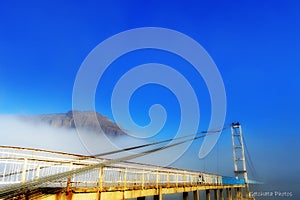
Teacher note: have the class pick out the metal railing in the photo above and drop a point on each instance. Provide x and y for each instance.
(20, 165)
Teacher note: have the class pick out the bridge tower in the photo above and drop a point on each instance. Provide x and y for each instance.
(239, 155)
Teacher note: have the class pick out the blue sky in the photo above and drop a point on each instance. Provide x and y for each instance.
(255, 45)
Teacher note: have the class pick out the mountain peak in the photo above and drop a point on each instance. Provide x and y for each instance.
(84, 120)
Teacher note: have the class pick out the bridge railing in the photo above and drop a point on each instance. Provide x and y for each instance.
(19, 165)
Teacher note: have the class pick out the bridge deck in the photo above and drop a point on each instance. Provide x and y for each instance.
(79, 193)
(117, 181)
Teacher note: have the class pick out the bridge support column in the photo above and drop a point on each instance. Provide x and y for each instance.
(237, 194)
(196, 195)
(229, 194)
(159, 196)
(185, 196)
(240, 194)
(99, 195)
(216, 194)
(247, 190)
(221, 194)
(207, 194)
(141, 198)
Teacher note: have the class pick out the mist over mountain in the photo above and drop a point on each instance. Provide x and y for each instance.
(84, 120)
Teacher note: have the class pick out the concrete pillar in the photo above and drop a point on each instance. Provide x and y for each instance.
(159, 196)
(221, 194)
(216, 194)
(229, 194)
(207, 194)
(247, 190)
(141, 198)
(185, 196)
(196, 195)
(237, 193)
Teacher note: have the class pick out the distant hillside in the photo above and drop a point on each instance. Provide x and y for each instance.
(84, 120)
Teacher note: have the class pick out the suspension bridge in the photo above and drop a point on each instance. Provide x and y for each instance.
(27, 173)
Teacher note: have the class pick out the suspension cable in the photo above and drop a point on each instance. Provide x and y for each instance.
(203, 133)
(249, 160)
(153, 143)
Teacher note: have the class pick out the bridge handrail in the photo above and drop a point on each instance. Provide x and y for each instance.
(47, 171)
(40, 167)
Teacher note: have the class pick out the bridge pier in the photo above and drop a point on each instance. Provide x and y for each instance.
(221, 194)
(159, 195)
(207, 192)
(235, 194)
(196, 195)
(141, 198)
(216, 194)
(185, 196)
(229, 194)
(238, 194)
